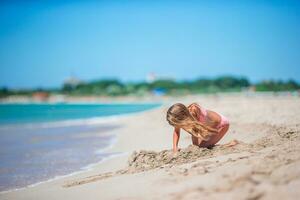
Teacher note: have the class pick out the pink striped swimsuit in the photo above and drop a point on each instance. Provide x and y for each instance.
(224, 120)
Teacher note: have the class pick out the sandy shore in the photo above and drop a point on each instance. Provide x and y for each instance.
(265, 165)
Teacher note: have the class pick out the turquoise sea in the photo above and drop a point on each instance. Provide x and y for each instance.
(39, 142)
(33, 113)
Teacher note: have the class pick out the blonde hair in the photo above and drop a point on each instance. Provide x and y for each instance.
(194, 110)
(178, 115)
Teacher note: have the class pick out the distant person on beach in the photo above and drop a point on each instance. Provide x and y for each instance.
(206, 126)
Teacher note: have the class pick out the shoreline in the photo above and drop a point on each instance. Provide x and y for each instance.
(112, 120)
(151, 125)
(56, 178)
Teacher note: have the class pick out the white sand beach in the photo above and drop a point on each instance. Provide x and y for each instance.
(265, 165)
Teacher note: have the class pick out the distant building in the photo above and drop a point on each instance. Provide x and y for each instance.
(151, 77)
(72, 82)
(40, 96)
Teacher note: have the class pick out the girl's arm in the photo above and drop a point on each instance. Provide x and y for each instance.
(176, 136)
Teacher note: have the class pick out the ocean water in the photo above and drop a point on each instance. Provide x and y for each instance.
(39, 142)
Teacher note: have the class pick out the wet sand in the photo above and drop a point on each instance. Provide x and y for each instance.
(264, 165)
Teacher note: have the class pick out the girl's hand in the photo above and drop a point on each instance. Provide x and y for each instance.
(175, 152)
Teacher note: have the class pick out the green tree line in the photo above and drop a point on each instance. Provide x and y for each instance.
(114, 87)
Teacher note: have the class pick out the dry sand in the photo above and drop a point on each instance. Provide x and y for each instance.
(264, 165)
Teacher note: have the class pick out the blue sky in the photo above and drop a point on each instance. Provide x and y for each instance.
(42, 43)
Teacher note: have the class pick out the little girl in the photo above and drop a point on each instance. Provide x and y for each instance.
(206, 127)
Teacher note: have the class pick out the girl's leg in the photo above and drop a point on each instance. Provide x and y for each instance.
(196, 141)
(215, 138)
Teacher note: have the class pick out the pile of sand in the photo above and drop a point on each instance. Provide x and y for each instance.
(146, 160)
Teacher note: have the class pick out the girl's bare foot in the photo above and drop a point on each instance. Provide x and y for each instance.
(231, 143)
